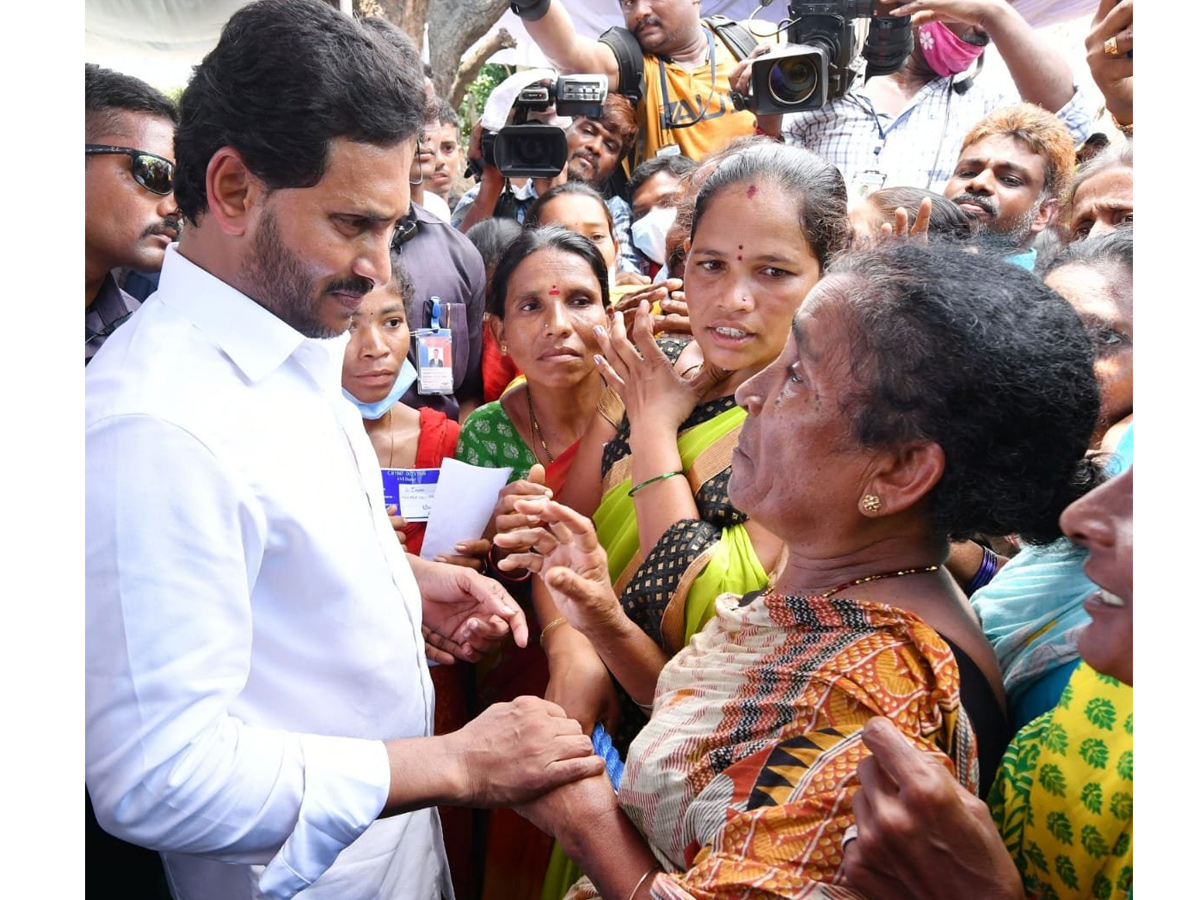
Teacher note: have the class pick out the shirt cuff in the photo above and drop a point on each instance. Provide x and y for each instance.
(346, 784)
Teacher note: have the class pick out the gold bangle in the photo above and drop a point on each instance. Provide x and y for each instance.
(637, 887)
(610, 407)
(649, 481)
(549, 627)
(1126, 130)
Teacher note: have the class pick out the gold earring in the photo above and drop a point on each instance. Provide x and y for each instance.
(504, 347)
(871, 503)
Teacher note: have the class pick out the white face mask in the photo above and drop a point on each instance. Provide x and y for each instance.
(650, 233)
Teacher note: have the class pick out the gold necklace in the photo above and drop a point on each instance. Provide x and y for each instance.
(537, 429)
(869, 578)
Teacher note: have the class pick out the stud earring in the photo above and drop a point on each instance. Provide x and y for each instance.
(504, 347)
(871, 503)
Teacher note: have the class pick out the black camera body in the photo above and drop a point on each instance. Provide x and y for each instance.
(821, 59)
(532, 149)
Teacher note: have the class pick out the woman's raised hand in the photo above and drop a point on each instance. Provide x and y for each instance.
(564, 550)
(645, 378)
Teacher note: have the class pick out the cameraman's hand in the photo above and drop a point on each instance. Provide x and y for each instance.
(739, 81)
(979, 13)
(1113, 74)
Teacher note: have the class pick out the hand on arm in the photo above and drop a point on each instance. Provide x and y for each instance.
(669, 296)
(1040, 73)
(1113, 74)
(510, 753)
(921, 834)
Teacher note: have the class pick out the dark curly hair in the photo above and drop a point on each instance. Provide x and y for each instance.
(977, 355)
(816, 185)
(531, 240)
(286, 78)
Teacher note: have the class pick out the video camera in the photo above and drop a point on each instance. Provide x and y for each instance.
(525, 148)
(821, 59)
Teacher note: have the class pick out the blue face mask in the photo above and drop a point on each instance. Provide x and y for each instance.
(408, 375)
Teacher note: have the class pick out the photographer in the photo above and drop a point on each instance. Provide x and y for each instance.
(595, 147)
(905, 128)
(684, 63)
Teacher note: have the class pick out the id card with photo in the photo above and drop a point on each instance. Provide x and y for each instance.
(410, 491)
(435, 361)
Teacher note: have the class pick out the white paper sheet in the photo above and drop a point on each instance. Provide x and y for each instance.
(462, 506)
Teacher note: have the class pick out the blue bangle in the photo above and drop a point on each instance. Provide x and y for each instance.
(986, 572)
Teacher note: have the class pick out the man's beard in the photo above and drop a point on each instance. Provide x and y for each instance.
(278, 280)
(1010, 237)
(588, 175)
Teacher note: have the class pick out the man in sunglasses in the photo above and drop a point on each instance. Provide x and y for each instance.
(258, 701)
(129, 207)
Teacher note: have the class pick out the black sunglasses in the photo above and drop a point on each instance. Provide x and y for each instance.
(152, 172)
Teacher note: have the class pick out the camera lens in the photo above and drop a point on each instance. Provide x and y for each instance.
(792, 81)
(532, 150)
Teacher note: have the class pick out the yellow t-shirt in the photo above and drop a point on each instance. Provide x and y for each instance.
(691, 97)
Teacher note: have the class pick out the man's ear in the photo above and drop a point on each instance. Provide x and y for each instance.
(904, 477)
(234, 192)
(1047, 215)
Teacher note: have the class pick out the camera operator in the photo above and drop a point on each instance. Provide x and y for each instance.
(685, 61)
(595, 147)
(905, 128)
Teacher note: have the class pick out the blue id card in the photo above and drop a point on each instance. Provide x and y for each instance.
(410, 491)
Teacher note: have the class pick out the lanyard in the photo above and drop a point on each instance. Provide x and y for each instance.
(712, 80)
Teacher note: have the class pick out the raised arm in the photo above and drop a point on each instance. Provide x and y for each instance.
(1040, 73)
(550, 26)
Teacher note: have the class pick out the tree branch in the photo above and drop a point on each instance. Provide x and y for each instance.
(468, 70)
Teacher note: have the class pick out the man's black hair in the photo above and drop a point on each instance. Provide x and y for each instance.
(286, 78)
(676, 164)
(108, 94)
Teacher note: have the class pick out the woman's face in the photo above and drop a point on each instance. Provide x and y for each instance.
(551, 308)
(1102, 522)
(377, 347)
(797, 464)
(749, 268)
(1103, 298)
(585, 216)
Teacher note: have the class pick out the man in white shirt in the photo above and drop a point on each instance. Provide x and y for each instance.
(257, 691)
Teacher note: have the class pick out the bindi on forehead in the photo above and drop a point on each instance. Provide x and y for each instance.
(751, 191)
(554, 291)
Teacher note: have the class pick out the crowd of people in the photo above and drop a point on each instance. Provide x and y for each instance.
(812, 574)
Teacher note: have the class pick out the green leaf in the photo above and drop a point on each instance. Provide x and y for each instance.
(1129, 724)
(1034, 854)
(1048, 892)
(1051, 778)
(1125, 879)
(1121, 844)
(1101, 713)
(1056, 740)
(1125, 765)
(1093, 842)
(1093, 797)
(1067, 696)
(1101, 887)
(1108, 679)
(1094, 752)
(1066, 871)
(1121, 806)
(1060, 826)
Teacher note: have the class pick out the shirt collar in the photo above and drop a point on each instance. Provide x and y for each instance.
(256, 340)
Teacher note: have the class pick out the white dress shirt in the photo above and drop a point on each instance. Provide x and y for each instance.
(253, 626)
